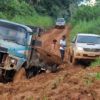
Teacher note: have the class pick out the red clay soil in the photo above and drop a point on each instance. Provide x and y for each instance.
(52, 34)
(68, 83)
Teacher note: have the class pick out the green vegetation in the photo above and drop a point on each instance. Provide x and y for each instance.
(92, 26)
(96, 63)
(35, 20)
(36, 12)
(98, 76)
(89, 81)
(86, 13)
(30, 99)
(93, 77)
(86, 19)
(23, 13)
(45, 97)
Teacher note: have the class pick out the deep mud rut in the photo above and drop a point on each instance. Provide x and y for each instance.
(68, 83)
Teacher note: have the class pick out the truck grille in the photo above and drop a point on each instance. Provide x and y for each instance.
(91, 50)
(2, 49)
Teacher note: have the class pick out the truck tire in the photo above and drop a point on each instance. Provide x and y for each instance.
(63, 27)
(18, 75)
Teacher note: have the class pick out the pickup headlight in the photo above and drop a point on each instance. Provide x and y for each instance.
(79, 48)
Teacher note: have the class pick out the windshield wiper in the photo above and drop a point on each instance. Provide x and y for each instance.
(81, 42)
(91, 43)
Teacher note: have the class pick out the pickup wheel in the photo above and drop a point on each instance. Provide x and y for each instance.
(69, 56)
(72, 59)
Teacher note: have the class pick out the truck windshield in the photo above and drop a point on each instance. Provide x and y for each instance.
(60, 20)
(12, 33)
(89, 39)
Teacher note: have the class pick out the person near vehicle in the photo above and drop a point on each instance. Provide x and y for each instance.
(53, 46)
(62, 46)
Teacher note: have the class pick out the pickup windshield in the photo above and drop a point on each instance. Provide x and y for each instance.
(60, 20)
(89, 39)
(12, 33)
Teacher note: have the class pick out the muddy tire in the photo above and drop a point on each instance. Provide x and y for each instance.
(69, 57)
(19, 75)
(72, 60)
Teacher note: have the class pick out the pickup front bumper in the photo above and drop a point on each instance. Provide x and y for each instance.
(89, 56)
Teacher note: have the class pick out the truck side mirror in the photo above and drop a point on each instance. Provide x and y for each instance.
(30, 39)
(72, 41)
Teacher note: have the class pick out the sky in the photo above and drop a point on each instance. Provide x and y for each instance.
(85, 2)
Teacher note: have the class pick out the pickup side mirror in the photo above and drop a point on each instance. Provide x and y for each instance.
(73, 41)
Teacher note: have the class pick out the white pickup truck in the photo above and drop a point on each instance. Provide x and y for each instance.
(60, 23)
(84, 46)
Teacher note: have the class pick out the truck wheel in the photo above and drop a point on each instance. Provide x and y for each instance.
(56, 26)
(63, 27)
(19, 75)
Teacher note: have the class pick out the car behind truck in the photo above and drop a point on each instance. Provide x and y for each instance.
(85, 47)
(18, 49)
(60, 23)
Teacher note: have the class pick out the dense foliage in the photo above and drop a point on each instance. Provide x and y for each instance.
(53, 8)
(22, 12)
(86, 13)
(86, 19)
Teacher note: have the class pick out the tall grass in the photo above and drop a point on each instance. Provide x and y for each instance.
(96, 63)
(36, 20)
(92, 26)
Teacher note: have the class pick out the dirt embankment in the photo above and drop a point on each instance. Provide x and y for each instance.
(68, 83)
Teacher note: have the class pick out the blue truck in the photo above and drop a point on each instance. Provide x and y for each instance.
(17, 50)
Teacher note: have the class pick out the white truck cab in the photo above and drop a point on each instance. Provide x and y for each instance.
(60, 23)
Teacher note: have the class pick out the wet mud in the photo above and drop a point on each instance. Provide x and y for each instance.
(67, 83)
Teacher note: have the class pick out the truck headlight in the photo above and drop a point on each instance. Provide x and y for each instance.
(13, 61)
(79, 48)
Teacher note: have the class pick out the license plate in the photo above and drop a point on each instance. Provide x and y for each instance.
(92, 55)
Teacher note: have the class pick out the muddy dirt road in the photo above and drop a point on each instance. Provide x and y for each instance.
(68, 83)
(52, 34)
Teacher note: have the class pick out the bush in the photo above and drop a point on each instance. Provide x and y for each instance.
(35, 20)
(2, 15)
(85, 13)
(21, 12)
(96, 63)
(92, 26)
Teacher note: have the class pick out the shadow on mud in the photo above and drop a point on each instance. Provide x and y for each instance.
(85, 63)
(32, 72)
(8, 77)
